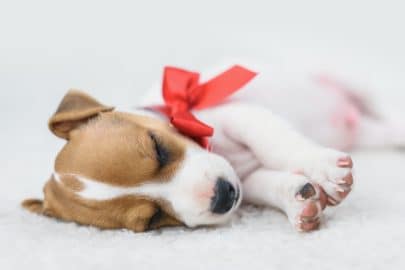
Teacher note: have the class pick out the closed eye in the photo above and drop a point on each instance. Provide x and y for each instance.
(162, 154)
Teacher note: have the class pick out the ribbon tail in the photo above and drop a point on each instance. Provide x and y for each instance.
(204, 142)
(217, 89)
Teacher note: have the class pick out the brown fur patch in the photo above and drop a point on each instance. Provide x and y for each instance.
(116, 148)
(113, 148)
(131, 212)
(71, 182)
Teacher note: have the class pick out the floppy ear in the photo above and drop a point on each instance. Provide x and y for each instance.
(146, 216)
(140, 215)
(75, 109)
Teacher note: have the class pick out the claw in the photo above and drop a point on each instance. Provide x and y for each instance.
(348, 179)
(341, 182)
(345, 162)
(344, 193)
(339, 189)
(332, 201)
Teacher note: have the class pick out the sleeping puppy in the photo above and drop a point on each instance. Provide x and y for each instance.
(123, 170)
(274, 140)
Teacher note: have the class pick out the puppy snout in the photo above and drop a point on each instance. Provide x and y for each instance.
(225, 196)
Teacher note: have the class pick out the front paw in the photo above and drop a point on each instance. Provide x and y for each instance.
(332, 170)
(305, 209)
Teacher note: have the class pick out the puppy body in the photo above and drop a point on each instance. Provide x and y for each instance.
(285, 130)
(130, 169)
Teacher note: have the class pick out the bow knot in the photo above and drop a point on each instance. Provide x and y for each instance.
(182, 93)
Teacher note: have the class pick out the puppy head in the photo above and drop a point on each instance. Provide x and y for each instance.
(138, 168)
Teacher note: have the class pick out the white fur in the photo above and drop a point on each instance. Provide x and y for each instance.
(253, 138)
(272, 145)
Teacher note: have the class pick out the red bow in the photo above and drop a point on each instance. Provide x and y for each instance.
(182, 93)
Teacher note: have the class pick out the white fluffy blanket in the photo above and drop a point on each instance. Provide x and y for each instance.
(366, 232)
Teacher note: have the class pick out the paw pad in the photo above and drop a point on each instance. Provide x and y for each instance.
(306, 192)
(311, 200)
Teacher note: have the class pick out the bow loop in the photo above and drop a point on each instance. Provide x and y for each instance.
(183, 93)
(177, 84)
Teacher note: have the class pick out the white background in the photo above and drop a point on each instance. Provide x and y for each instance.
(116, 49)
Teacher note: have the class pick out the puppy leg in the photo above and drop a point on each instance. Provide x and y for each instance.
(279, 147)
(301, 200)
(362, 120)
(377, 133)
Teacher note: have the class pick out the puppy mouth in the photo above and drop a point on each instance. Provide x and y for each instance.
(237, 197)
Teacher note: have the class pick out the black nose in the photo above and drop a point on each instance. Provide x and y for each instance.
(224, 197)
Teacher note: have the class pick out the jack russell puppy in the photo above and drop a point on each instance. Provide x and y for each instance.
(274, 144)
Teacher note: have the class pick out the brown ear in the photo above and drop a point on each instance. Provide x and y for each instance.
(75, 109)
(138, 217)
(146, 216)
(161, 219)
(33, 205)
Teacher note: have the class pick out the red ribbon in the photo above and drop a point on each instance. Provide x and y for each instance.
(182, 93)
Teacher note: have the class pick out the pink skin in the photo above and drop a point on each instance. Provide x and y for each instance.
(314, 202)
(348, 114)
(204, 192)
(347, 117)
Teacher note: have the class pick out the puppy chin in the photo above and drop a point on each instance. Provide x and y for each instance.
(212, 220)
